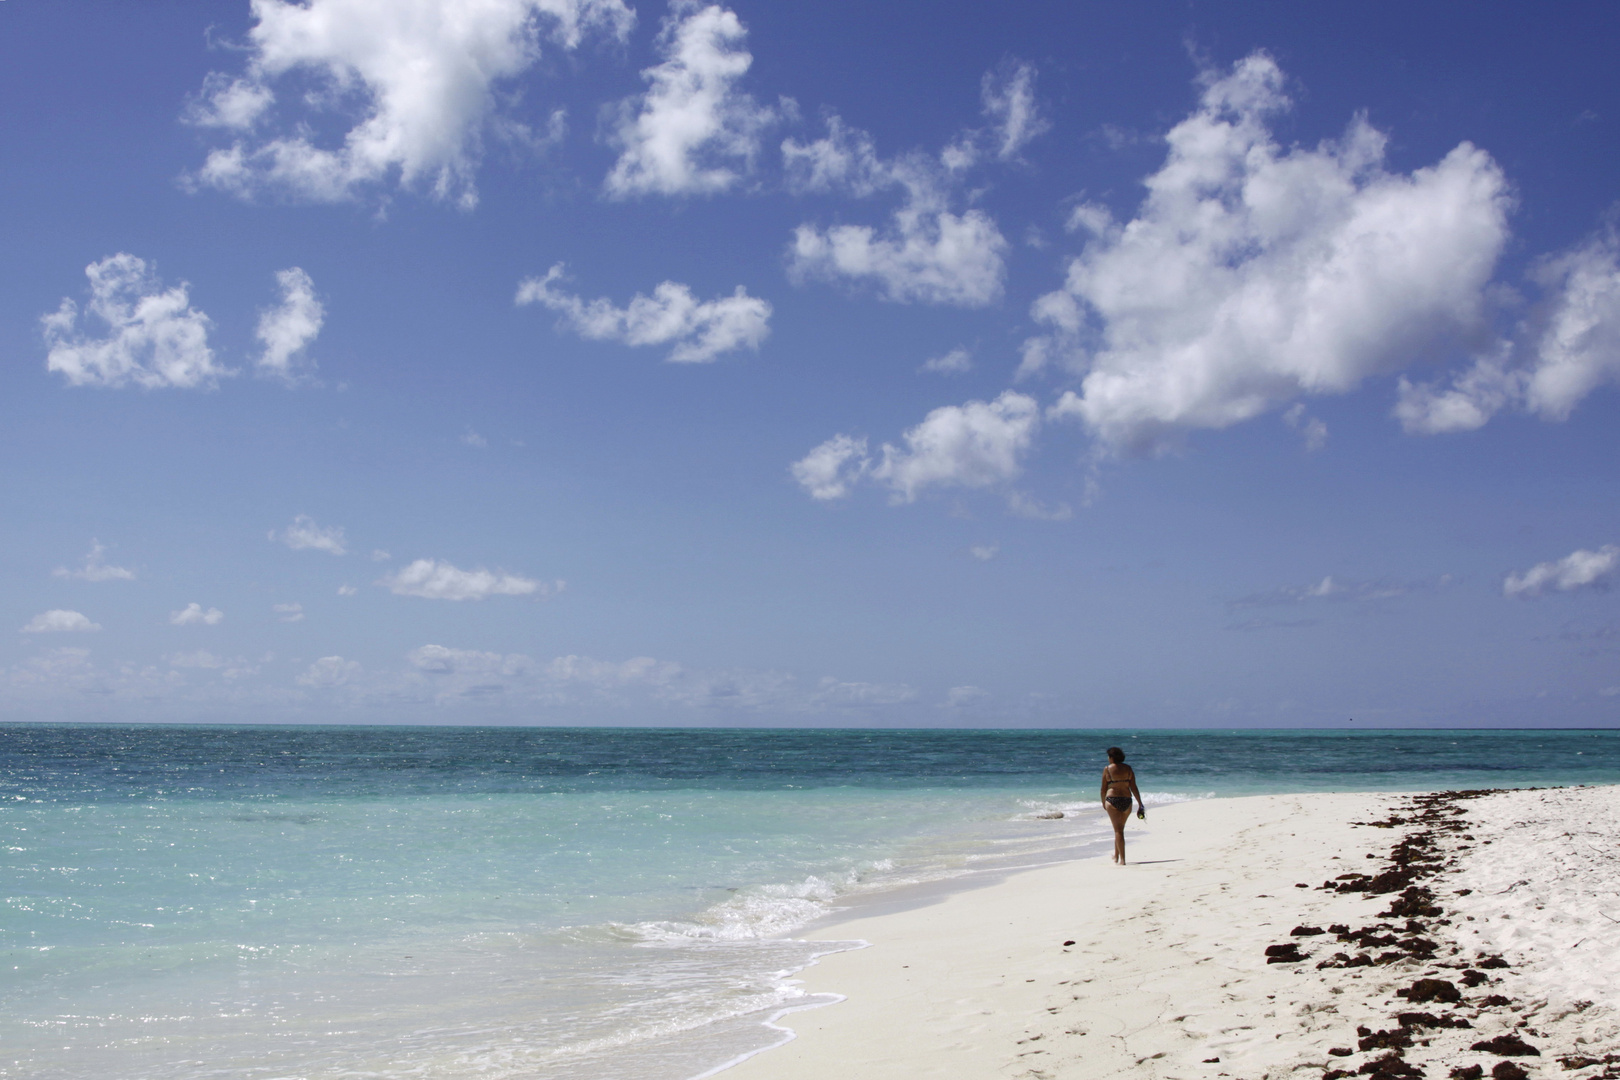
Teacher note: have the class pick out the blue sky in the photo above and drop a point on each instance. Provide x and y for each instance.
(563, 361)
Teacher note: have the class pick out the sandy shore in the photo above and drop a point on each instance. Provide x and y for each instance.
(1160, 969)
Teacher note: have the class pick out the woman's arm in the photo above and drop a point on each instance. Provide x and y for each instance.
(1140, 805)
(1102, 796)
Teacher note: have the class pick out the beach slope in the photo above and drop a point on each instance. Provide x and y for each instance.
(1161, 968)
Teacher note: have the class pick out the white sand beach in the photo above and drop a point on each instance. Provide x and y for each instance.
(1160, 968)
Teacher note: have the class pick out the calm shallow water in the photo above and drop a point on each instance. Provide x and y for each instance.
(448, 902)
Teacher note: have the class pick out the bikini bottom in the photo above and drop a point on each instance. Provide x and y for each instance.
(1119, 802)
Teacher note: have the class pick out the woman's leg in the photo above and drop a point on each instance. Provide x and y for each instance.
(1119, 818)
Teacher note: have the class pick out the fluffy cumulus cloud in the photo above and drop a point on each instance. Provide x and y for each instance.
(304, 535)
(692, 132)
(288, 613)
(928, 254)
(148, 336)
(979, 444)
(287, 329)
(59, 621)
(1254, 274)
(1579, 349)
(831, 469)
(1579, 570)
(431, 579)
(698, 330)
(844, 160)
(195, 614)
(95, 567)
(1569, 348)
(412, 85)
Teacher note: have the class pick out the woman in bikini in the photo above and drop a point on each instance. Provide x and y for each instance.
(1118, 785)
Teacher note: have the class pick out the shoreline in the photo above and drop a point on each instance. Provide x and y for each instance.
(1165, 972)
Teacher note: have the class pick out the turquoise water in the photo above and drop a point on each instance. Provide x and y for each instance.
(449, 902)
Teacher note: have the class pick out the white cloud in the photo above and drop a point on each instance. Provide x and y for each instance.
(845, 159)
(831, 693)
(1332, 589)
(928, 254)
(609, 673)
(1093, 218)
(1023, 505)
(423, 76)
(1325, 589)
(700, 331)
(1578, 570)
(1474, 396)
(304, 535)
(1009, 101)
(828, 471)
(379, 555)
(965, 697)
(95, 569)
(193, 613)
(475, 440)
(439, 660)
(1579, 350)
(692, 132)
(984, 552)
(154, 337)
(1253, 274)
(58, 621)
(1312, 430)
(978, 444)
(286, 330)
(434, 580)
(289, 612)
(329, 671)
(1567, 350)
(228, 104)
(348, 590)
(955, 362)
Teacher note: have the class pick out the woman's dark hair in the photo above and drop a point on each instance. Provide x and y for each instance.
(1116, 755)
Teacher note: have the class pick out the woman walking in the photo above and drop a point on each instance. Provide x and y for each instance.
(1118, 786)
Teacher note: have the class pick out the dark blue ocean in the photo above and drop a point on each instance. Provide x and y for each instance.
(541, 902)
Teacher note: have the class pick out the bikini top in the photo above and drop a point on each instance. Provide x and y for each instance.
(1112, 780)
